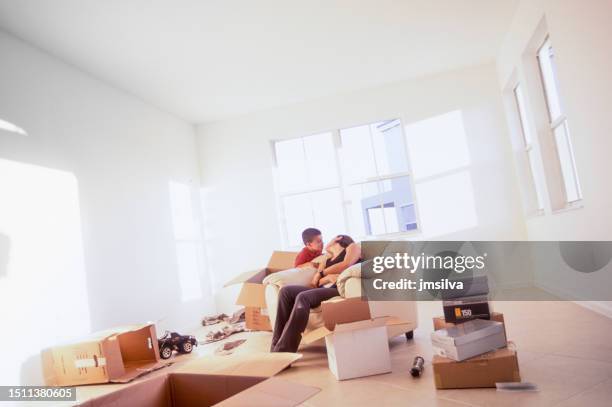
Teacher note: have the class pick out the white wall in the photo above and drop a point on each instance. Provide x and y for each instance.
(94, 148)
(242, 223)
(580, 33)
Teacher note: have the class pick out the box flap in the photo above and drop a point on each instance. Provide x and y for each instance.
(365, 324)
(281, 261)
(138, 369)
(255, 276)
(261, 364)
(252, 295)
(344, 311)
(322, 332)
(272, 392)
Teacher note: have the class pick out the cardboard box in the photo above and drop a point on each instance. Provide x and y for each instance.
(348, 329)
(467, 308)
(116, 355)
(481, 371)
(252, 294)
(440, 322)
(257, 319)
(468, 339)
(235, 380)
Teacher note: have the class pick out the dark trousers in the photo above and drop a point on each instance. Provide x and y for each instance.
(294, 305)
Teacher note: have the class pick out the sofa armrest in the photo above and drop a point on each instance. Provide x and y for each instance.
(294, 276)
(344, 287)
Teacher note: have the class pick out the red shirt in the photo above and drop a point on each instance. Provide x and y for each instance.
(305, 256)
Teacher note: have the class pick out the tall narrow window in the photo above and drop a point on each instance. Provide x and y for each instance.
(527, 139)
(558, 122)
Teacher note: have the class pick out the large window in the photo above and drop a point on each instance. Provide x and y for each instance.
(353, 180)
(558, 122)
(527, 141)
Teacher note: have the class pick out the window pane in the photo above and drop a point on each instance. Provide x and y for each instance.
(389, 147)
(291, 164)
(328, 213)
(381, 207)
(356, 154)
(321, 160)
(531, 155)
(298, 216)
(566, 160)
(549, 78)
(360, 198)
(520, 104)
(437, 144)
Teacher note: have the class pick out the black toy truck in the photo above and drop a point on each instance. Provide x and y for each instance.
(172, 341)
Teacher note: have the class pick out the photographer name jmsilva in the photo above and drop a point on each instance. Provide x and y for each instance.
(420, 285)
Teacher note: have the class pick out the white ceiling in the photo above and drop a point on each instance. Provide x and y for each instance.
(209, 60)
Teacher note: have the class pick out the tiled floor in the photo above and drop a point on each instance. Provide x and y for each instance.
(566, 350)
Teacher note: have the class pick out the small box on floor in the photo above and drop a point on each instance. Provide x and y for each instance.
(466, 308)
(468, 339)
(481, 371)
(357, 345)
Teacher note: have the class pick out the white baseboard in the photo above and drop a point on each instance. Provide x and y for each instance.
(601, 307)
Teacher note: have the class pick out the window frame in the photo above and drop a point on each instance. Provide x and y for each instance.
(553, 123)
(527, 146)
(343, 185)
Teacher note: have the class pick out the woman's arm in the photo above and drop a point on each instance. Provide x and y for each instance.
(353, 253)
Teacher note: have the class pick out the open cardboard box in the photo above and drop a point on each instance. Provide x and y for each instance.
(349, 327)
(116, 355)
(235, 380)
(252, 295)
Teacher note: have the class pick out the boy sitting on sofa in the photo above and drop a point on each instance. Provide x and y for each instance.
(313, 248)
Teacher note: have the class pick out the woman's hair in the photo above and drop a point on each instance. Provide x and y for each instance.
(345, 241)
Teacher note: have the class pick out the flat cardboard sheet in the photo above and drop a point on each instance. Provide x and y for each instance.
(260, 364)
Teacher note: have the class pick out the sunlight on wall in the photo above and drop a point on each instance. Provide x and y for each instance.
(440, 160)
(446, 204)
(11, 128)
(43, 293)
(437, 144)
(189, 253)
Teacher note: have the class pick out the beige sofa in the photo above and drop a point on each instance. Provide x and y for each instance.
(349, 285)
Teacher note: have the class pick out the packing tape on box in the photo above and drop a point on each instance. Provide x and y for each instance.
(93, 362)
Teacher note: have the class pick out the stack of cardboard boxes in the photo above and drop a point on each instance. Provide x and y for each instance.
(469, 342)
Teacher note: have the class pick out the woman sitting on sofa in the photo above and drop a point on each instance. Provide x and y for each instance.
(296, 301)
